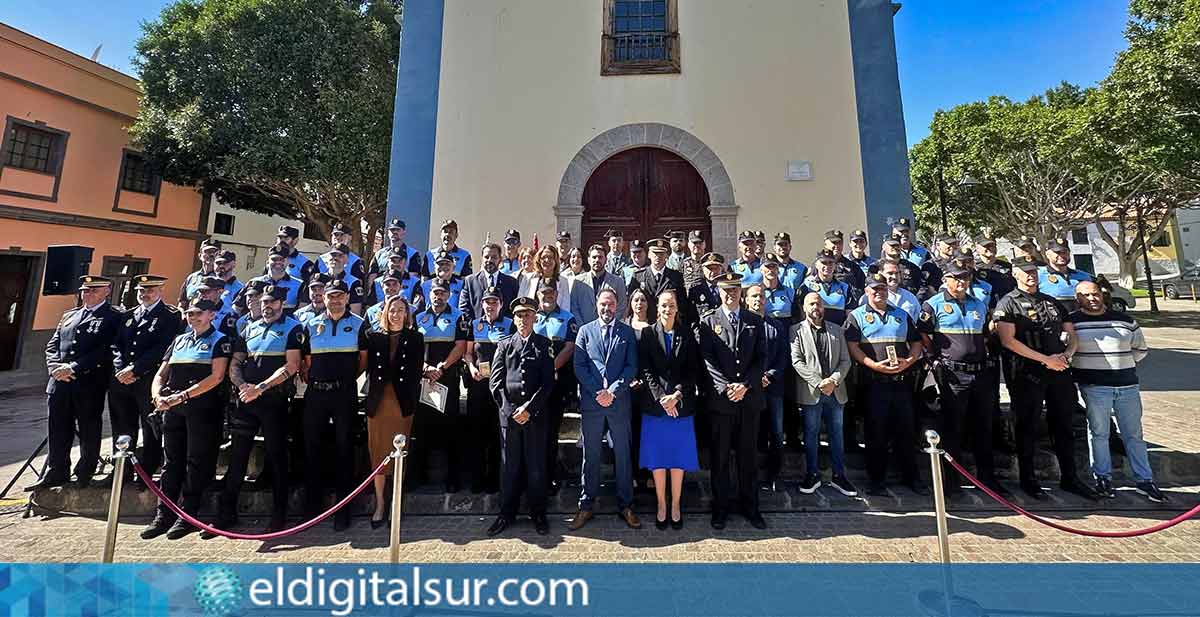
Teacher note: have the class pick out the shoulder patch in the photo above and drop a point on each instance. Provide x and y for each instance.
(997, 313)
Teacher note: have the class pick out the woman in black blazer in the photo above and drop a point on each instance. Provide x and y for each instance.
(669, 361)
(393, 357)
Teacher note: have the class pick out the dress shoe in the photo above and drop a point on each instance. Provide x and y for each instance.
(1073, 485)
(541, 524)
(157, 527)
(45, 483)
(341, 521)
(581, 519)
(677, 524)
(180, 529)
(224, 523)
(630, 518)
(498, 526)
(756, 520)
(718, 520)
(660, 525)
(1035, 491)
(278, 523)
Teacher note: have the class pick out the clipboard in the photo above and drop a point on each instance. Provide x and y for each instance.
(434, 395)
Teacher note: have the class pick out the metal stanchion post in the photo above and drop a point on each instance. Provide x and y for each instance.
(397, 492)
(114, 498)
(939, 493)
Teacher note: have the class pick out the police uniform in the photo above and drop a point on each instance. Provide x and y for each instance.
(1059, 284)
(998, 274)
(262, 351)
(779, 302)
(511, 265)
(442, 331)
(887, 403)
(523, 378)
(791, 272)
(295, 286)
(561, 328)
(332, 394)
(747, 270)
(355, 265)
(691, 267)
(629, 271)
(654, 284)
(191, 429)
(481, 407)
(837, 297)
(141, 341)
(915, 253)
(958, 333)
(460, 256)
(1037, 319)
(82, 340)
(734, 352)
(299, 266)
(865, 262)
(191, 282)
(616, 263)
(411, 256)
(845, 270)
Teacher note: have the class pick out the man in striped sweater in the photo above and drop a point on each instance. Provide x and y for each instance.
(1107, 347)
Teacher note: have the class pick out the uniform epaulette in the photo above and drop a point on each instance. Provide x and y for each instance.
(171, 308)
(710, 311)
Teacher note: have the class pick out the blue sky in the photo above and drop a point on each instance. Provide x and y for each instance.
(949, 51)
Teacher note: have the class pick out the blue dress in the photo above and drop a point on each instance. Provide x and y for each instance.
(668, 443)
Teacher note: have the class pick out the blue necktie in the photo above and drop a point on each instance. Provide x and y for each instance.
(667, 338)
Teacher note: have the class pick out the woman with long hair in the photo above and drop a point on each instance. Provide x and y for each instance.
(546, 268)
(392, 357)
(637, 315)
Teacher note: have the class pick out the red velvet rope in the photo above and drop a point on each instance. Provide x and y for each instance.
(256, 536)
(1082, 532)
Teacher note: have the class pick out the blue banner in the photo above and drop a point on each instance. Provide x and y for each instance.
(216, 590)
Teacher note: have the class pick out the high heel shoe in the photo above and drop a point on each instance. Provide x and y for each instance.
(677, 524)
(660, 525)
(376, 524)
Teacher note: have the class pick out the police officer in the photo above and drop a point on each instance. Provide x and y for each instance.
(747, 263)
(1029, 323)
(997, 273)
(860, 252)
(279, 275)
(678, 251)
(617, 259)
(212, 289)
(521, 382)
(79, 360)
(409, 281)
(791, 272)
(298, 264)
(911, 276)
(444, 275)
(249, 304)
(1057, 278)
(779, 300)
(844, 270)
(732, 342)
(486, 331)
(705, 296)
(837, 296)
(342, 236)
(1027, 247)
(885, 342)
(947, 246)
(955, 325)
(265, 358)
(657, 278)
(209, 249)
(510, 263)
(558, 325)
(226, 264)
(562, 242)
(409, 256)
(331, 365)
(909, 250)
(991, 269)
(692, 266)
(445, 332)
(460, 258)
(637, 254)
(776, 366)
(337, 270)
(141, 341)
(316, 297)
(189, 392)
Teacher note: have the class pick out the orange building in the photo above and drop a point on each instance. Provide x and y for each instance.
(68, 176)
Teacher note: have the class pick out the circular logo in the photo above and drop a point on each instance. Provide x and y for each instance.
(1053, 278)
(948, 309)
(218, 591)
(870, 318)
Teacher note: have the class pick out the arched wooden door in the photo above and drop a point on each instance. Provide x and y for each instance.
(644, 192)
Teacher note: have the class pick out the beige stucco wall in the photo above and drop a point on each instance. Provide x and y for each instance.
(763, 82)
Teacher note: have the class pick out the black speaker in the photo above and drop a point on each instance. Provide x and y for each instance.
(65, 263)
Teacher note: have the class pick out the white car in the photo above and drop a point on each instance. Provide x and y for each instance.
(1122, 299)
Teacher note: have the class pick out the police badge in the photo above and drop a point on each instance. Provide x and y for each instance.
(320, 328)
(1053, 278)
(870, 318)
(717, 329)
(948, 308)
(479, 327)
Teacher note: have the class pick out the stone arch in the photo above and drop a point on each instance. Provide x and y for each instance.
(722, 208)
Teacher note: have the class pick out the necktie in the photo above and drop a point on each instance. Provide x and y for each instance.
(596, 281)
(733, 321)
(657, 278)
(493, 280)
(607, 338)
(667, 338)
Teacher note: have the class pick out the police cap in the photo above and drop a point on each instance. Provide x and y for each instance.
(834, 235)
(613, 233)
(340, 248)
(209, 243)
(442, 257)
(512, 234)
(212, 282)
(93, 280)
(1058, 245)
(392, 275)
(491, 293)
(858, 234)
(226, 256)
(146, 281)
(783, 236)
(712, 258)
(523, 304)
(275, 292)
(636, 245)
(341, 228)
(674, 235)
(1025, 263)
(287, 231)
(901, 224)
(448, 223)
(280, 250)
(255, 286)
(439, 285)
(771, 259)
(564, 235)
(319, 279)
(658, 245)
(396, 224)
(198, 304)
(729, 280)
(746, 236)
(695, 236)
(876, 280)
(827, 255)
(337, 286)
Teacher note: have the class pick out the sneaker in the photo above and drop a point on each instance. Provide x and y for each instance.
(809, 484)
(1104, 486)
(843, 486)
(1150, 490)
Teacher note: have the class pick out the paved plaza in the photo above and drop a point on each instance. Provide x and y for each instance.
(825, 529)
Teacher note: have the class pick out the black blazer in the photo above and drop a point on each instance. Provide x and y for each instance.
(472, 293)
(662, 374)
(403, 369)
(733, 357)
(671, 279)
(522, 373)
(86, 344)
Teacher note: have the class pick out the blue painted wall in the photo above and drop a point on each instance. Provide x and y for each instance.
(880, 115)
(414, 125)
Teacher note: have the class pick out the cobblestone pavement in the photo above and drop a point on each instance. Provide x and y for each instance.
(823, 537)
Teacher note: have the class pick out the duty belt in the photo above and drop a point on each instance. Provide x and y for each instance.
(966, 367)
(887, 378)
(325, 386)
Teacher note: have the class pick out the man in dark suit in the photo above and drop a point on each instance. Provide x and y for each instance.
(732, 344)
(521, 382)
(142, 340)
(704, 296)
(476, 284)
(79, 360)
(657, 278)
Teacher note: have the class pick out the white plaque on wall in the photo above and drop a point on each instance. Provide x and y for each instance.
(799, 171)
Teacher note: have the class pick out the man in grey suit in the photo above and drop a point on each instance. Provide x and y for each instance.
(822, 360)
(605, 363)
(586, 286)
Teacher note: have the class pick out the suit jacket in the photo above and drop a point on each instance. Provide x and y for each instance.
(85, 344)
(733, 356)
(667, 374)
(583, 295)
(402, 369)
(142, 343)
(808, 365)
(522, 372)
(670, 279)
(598, 368)
(777, 361)
(476, 284)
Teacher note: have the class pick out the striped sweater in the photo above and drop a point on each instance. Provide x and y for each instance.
(1110, 346)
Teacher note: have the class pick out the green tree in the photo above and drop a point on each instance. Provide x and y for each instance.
(277, 106)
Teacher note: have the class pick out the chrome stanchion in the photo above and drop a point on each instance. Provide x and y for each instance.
(114, 498)
(397, 491)
(939, 493)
